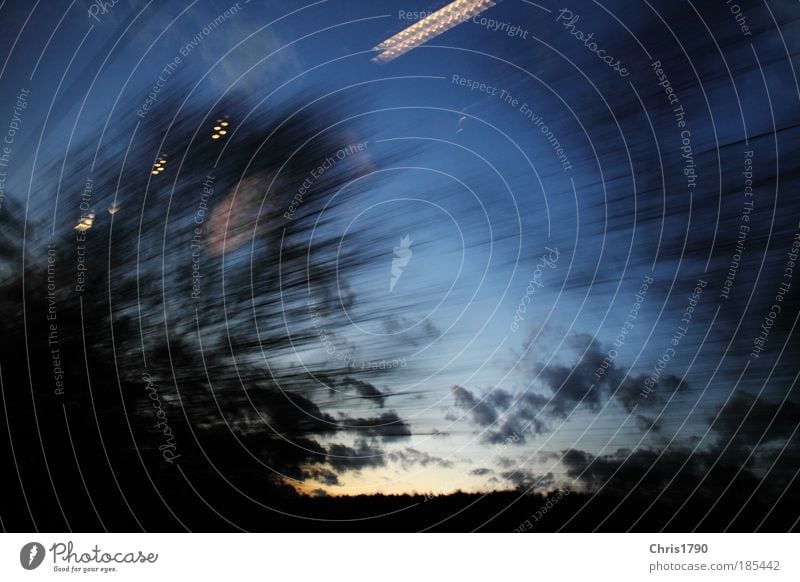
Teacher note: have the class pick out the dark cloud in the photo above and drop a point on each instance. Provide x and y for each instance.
(505, 462)
(343, 458)
(524, 417)
(482, 412)
(646, 423)
(624, 469)
(291, 414)
(480, 471)
(524, 478)
(632, 392)
(413, 334)
(323, 475)
(388, 426)
(365, 390)
(577, 385)
(744, 427)
(510, 418)
(410, 457)
(573, 386)
(745, 420)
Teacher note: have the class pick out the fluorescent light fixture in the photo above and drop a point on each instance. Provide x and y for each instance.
(421, 32)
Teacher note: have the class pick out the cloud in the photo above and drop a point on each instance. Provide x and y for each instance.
(743, 426)
(388, 426)
(527, 479)
(482, 412)
(343, 458)
(406, 330)
(681, 472)
(323, 475)
(480, 471)
(409, 457)
(576, 386)
(365, 390)
(573, 386)
(510, 417)
(745, 422)
(621, 471)
(648, 423)
(291, 414)
(630, 392)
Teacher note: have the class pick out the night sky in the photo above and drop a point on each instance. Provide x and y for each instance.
(248, 273)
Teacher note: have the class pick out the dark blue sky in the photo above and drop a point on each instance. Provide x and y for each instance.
(504, 149)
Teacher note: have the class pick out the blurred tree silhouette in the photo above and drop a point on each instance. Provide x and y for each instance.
(240, 412)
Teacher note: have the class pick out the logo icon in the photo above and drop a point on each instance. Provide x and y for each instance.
(400, 260)
(31, 555)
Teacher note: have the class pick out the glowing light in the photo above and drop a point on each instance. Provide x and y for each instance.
(430, 27)
(113, 209)
(85, 223)
(160, 165)
(218, 128)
